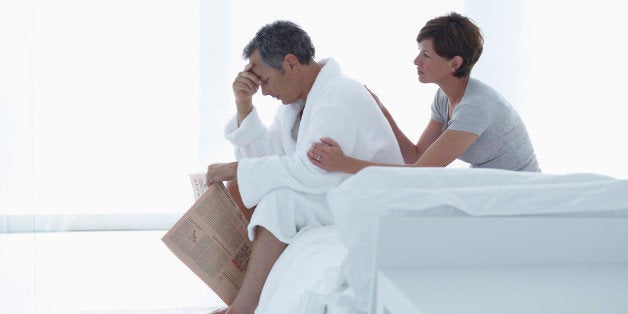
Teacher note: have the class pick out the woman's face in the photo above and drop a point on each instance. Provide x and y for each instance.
(431, 67)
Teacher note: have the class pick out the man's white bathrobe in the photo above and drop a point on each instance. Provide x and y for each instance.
(274, 171)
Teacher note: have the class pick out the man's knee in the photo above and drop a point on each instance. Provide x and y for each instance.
(232, 187)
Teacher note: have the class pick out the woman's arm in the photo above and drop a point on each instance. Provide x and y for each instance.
(407, 147)
(432, 132)
(409, 151)
(446, 148)
(328, 156)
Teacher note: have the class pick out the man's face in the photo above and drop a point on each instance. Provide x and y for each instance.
(274, 83)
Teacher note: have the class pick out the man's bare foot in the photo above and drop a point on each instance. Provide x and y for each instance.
(233, 310)
(220, 311)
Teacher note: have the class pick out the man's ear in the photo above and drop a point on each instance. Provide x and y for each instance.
(291, 61)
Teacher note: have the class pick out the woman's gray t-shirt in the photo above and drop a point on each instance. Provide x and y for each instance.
(503, 141)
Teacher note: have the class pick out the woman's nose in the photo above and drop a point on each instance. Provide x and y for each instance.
(417, 60)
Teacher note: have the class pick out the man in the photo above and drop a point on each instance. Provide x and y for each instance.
(274, 172)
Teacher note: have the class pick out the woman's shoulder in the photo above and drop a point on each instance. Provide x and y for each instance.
(479, 88)
(481, 93)
(440, 99)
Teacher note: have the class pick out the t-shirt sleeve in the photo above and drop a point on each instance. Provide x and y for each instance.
(470, 117)
(439, 107)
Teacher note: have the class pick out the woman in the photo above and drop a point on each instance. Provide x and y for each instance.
(470, 121)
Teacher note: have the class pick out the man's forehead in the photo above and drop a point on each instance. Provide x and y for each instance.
(260, 69)
(255, 61)
(256, 68)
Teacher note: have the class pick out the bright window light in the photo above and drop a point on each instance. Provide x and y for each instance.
(115, 103)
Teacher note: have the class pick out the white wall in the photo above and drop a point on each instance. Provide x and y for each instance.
(559, 63)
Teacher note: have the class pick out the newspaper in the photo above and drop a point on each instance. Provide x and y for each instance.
(211, 239)
(199, 186)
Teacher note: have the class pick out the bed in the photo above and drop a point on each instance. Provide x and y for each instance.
(335, 269)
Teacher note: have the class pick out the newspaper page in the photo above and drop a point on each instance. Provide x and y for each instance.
(199, 185)
(211, 239)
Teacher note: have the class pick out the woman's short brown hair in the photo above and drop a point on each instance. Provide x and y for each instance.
(454, 35)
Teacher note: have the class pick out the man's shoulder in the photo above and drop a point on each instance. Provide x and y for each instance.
(332, 80)
(345, 92)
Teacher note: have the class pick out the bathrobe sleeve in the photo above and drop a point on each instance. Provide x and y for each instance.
(258, 176)
(253, 138)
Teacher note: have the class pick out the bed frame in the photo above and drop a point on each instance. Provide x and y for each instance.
(501, 265)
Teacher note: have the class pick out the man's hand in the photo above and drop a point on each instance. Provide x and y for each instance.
(221, 172)
(245, 85)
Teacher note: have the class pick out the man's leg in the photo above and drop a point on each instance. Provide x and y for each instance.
(232, 187)
(265, 252)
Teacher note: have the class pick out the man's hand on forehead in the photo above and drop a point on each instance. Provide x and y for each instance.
(244, 86)
(249, 68)
(249, 74)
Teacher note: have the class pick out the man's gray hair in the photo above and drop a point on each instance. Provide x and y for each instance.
(274, 41)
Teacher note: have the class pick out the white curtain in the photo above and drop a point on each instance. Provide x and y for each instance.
(101, 113)
(16, 126)
(105, 107)
(559, 63)
(99, 107)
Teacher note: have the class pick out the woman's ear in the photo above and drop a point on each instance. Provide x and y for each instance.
(455, 63)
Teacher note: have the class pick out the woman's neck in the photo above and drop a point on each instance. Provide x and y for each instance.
(454, 89)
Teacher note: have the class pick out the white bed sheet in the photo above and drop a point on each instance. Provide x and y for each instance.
(330, 269)
(308, 269)
(377, 191)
